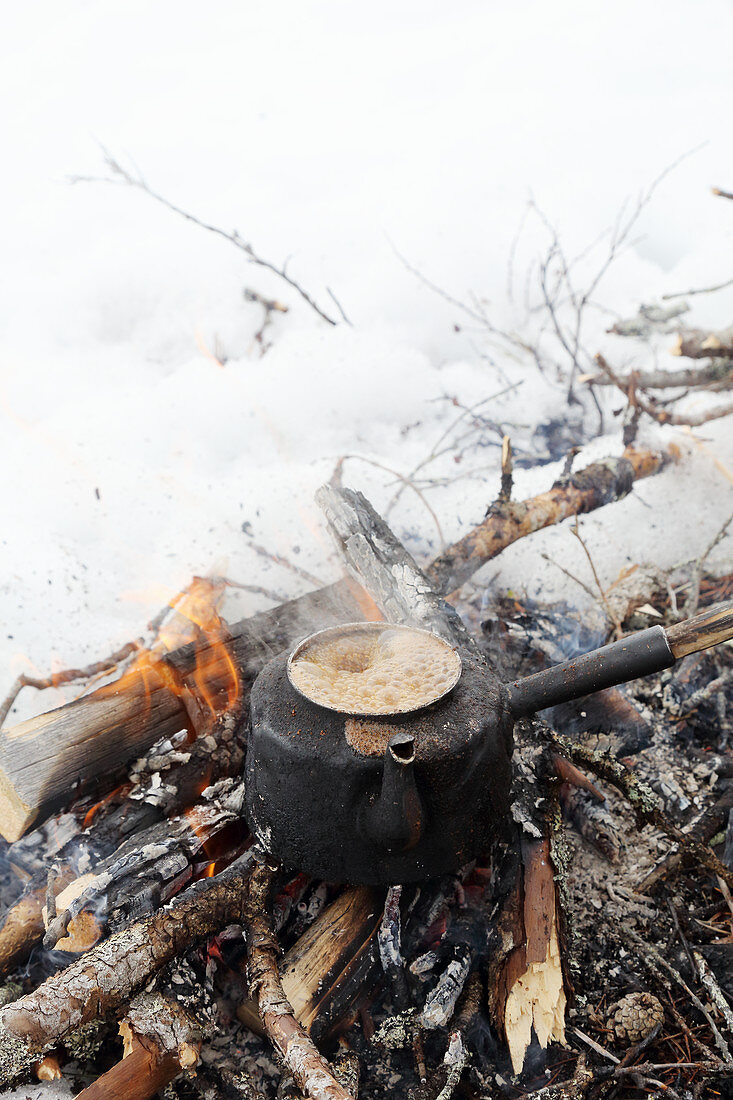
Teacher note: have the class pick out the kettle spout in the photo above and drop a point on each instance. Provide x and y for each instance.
(395, 820)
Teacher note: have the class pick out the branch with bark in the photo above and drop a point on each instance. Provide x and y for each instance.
(105, 978)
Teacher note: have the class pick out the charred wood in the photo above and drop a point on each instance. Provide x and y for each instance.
(106, 977)
(155, 864)
(168, 780)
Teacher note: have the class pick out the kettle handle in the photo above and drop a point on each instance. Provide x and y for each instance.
(638, 654)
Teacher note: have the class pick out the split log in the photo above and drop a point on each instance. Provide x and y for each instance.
(112, 972)
(530, 993)
(698, 343)
(312, 1073)
(506, 521)
(44, 759)
(331, 966)
(161, 1041)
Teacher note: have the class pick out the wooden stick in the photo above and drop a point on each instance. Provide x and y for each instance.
(312, 1073)
(107, 976)
(591, 488)
(331, 966)
(138, 1076)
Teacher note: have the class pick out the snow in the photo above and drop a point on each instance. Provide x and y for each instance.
(336, 136)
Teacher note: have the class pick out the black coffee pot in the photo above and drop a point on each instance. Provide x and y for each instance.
(405, 797)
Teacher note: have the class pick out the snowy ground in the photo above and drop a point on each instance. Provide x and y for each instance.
(335, 135)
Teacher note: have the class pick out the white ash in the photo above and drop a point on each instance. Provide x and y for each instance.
(441, 1001)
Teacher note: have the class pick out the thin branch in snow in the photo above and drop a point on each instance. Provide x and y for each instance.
(121, 175)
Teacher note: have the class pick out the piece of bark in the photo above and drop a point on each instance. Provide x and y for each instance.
(696, 343)
(331, 966)
(107, 976)
(584, 491)
(312, 1073)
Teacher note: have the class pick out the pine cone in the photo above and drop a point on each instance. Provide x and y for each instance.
(635, 1016)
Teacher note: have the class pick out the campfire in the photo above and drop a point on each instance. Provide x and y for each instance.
(326, 856)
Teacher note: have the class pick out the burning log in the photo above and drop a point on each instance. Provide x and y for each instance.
(506, 521)
(44, 759)
(152, 866)
(169, 779)
(331, 965)
(312, 1073)
(107, 976)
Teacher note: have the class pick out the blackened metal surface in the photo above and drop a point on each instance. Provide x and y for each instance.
(311, 796)
(638, 655)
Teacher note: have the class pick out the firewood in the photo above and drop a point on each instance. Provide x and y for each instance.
(44, 759)
(161, 1041)
(698, 343)
(588, 489)
(107, 976)
(401, 590)
(149, 868)
(312, 1073)
(534, 990)
(330, 966)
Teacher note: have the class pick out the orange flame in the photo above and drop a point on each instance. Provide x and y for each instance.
(207, 679)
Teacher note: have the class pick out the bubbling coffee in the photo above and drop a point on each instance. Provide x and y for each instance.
(374, 669)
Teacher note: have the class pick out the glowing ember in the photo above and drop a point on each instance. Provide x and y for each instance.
(374, 668)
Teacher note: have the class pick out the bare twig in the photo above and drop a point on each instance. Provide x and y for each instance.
(661, 415)
(618, 625)
(122, 175)
(69, 675)
(312, 1073)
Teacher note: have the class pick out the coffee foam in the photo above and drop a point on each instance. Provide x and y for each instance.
(375, 672)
